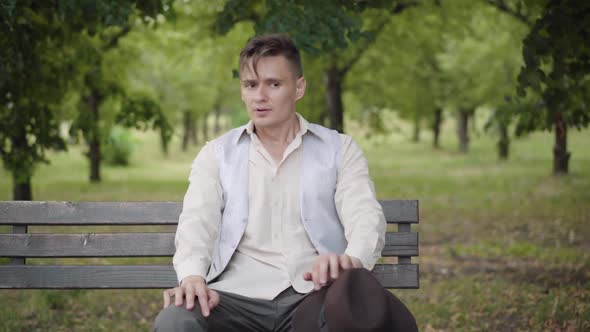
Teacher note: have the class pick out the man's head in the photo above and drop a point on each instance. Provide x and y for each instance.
(271, 78)
(270, 45)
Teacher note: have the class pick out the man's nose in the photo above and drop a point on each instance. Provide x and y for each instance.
(260, 94)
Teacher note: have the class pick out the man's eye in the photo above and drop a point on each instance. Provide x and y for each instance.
(275, 85)
(250, 85)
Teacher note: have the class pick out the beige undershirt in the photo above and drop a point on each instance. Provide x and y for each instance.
(275, 250)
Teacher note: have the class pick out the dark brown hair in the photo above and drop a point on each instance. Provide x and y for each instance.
(271, 45)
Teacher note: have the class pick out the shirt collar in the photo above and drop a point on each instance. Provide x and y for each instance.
(304, 127)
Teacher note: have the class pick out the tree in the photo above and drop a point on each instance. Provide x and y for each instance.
(187, 67)
(319, 27)
(35, 70)
(556, 68)
(401, 70)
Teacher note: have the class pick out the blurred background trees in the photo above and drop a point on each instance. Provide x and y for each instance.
(81, 71)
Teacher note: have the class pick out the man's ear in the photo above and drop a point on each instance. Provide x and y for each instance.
(301, 85)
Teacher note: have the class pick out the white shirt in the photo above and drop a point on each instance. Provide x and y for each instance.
(275, 249)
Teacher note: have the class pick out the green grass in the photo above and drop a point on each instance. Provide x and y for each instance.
(504, 245)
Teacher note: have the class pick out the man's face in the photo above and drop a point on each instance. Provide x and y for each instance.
(270, 96)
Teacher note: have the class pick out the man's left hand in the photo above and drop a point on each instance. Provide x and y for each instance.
(326, 268)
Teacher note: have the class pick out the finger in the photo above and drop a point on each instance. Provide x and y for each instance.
(334, 267)
(356, 263)
(213, 298)
(190, 296)
(178, 295)
(323, 270)
(315, 276)
(166, 295)
(201, 291)
(345, 262)
(307, 276)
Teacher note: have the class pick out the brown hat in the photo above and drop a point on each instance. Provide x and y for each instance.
(355, 302)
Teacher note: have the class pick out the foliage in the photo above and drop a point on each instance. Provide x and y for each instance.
(119, 146)
(316, 26)
(36, 68)
(338, 31)
(187, 68)
(557, 66)
(144, 113)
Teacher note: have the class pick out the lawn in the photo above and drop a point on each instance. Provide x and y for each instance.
(504, 245)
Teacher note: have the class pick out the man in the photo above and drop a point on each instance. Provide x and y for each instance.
(274, 210)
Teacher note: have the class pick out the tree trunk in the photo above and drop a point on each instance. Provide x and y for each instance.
(463, 130)
(416, 132)
(217, 127)
(503, 143)
(21, 188)
(93, 136)
(561, 156)
(187, 120)
(193, 132)
(164, 143)
(333, 81)
(204, 127)
(436, 127)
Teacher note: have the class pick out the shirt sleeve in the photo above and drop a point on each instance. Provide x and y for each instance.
(357, 206)
(200, 218)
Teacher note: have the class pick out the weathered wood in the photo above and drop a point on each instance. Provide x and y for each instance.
(137, 245)
(137, 213)
(19, 230)
(87, 245)
(397, 276)
(144, 276)
(400, 211)
(89, 213)
(404, 228)
(401, 244)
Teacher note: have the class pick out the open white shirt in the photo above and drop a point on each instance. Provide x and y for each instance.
(275, 249)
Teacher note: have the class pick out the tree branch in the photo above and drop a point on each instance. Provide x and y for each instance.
(503, 7)
(114, 41)
(400, 7)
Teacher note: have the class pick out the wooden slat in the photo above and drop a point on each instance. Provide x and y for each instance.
(19, 230)
(400, 211)
(87, 245)
(87, 276)
(89, 213)
(401, 244)
(137, 213)
(397, 275)
(137, 245)
(145, 276)
(404, 228)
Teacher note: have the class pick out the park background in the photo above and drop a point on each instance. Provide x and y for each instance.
(477, 108)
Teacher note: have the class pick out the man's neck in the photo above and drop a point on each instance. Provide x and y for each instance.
(281, 135)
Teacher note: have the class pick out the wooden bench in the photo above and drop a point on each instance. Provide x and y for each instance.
(25, 242)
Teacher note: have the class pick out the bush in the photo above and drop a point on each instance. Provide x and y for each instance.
(119, 146)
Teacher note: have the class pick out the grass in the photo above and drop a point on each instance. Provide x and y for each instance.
(504, 245)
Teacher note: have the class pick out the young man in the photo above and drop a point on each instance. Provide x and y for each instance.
(275, 209)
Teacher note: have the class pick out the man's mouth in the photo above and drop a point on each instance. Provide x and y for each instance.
(262, 110)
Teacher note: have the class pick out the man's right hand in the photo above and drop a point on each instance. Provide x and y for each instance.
(191, 287)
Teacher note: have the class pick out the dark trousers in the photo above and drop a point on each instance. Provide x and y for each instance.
(239, 313)
(234, 313)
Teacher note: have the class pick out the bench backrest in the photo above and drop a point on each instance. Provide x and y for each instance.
(22, 244)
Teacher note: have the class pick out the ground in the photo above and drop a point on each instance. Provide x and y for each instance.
(504, 246)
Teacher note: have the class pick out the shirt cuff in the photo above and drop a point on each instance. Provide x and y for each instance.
(368, 259)
(191, 267)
